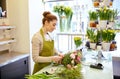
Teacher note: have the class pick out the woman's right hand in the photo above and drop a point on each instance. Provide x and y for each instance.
(57, 59)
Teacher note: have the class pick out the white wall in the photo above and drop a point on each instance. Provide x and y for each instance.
(35, 21)
(18, 17)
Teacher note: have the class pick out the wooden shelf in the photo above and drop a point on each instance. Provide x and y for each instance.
(56, 0)
(2, 42)
(6, 27)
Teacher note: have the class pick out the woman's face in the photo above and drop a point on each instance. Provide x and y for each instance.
(51, 26)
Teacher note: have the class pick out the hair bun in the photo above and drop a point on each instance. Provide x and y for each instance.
(46, 13)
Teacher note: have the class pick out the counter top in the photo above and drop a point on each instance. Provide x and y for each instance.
(6, 58)
(91, 73)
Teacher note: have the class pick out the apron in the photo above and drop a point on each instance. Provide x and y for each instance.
(48, 50)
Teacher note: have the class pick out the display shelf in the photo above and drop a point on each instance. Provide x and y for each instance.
(6, 27)
(7, 41)
(7, 37)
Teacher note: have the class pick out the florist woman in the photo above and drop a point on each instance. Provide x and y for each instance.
(43, 51)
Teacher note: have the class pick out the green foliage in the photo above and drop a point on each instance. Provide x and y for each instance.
(42, 76)
(77, 41)
(74, 73)
(93, 35)
(93, 15)
(114, 14)
(108, 35)
(59, 9)
(66, 60)
(104, 13)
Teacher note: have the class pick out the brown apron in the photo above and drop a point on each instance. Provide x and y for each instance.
(48, 50)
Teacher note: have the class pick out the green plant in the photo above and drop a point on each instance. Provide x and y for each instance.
(104, 13)
(114, 14)
(68, 13)
(74, 73)
(108, 35)
(93, 35)
(64, 11)
(77, 41)
(93, 15)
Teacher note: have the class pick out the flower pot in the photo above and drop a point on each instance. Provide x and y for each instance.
(96, 4)
(106, 46)
(111, 3)
(93, 46)
(103, 24)
(92, 24)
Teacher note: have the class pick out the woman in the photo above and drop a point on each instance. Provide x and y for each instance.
(43, 51)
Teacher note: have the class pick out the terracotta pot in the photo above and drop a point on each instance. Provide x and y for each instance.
(111, 3)
(96, 4)
(92, 24)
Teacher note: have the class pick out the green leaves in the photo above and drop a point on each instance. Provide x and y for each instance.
(93, 15)
(93, 35)
(41, 76)
(108, 35)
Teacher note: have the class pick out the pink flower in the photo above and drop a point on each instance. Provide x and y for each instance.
(72, 56)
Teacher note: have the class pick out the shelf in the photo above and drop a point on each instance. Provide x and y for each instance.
(2, 42)
(56, 0)
(72, 33)
(6, 27)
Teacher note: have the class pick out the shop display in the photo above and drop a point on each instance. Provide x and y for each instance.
(101, 29)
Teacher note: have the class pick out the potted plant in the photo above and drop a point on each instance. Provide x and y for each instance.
(93, 36)
(113, 15)
(93, 16)
(107, 36)
(104, 15)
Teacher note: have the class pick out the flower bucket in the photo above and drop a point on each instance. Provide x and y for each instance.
(103, 24)
(93, 46)
(105, 46)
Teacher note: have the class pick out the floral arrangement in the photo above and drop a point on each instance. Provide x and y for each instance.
(71, 59)
(72, 63)
(77, 41)
(108, 35)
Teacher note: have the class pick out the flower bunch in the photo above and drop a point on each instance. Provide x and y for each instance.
(71, 59)
(77, 41)
(108, 35)
(104, 13)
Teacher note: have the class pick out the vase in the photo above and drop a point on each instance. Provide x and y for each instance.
(62, 23)
(103, 24)
(106, 46)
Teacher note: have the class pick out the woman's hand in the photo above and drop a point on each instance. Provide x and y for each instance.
(57, 59)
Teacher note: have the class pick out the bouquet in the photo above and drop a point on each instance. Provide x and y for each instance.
(71, 59)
